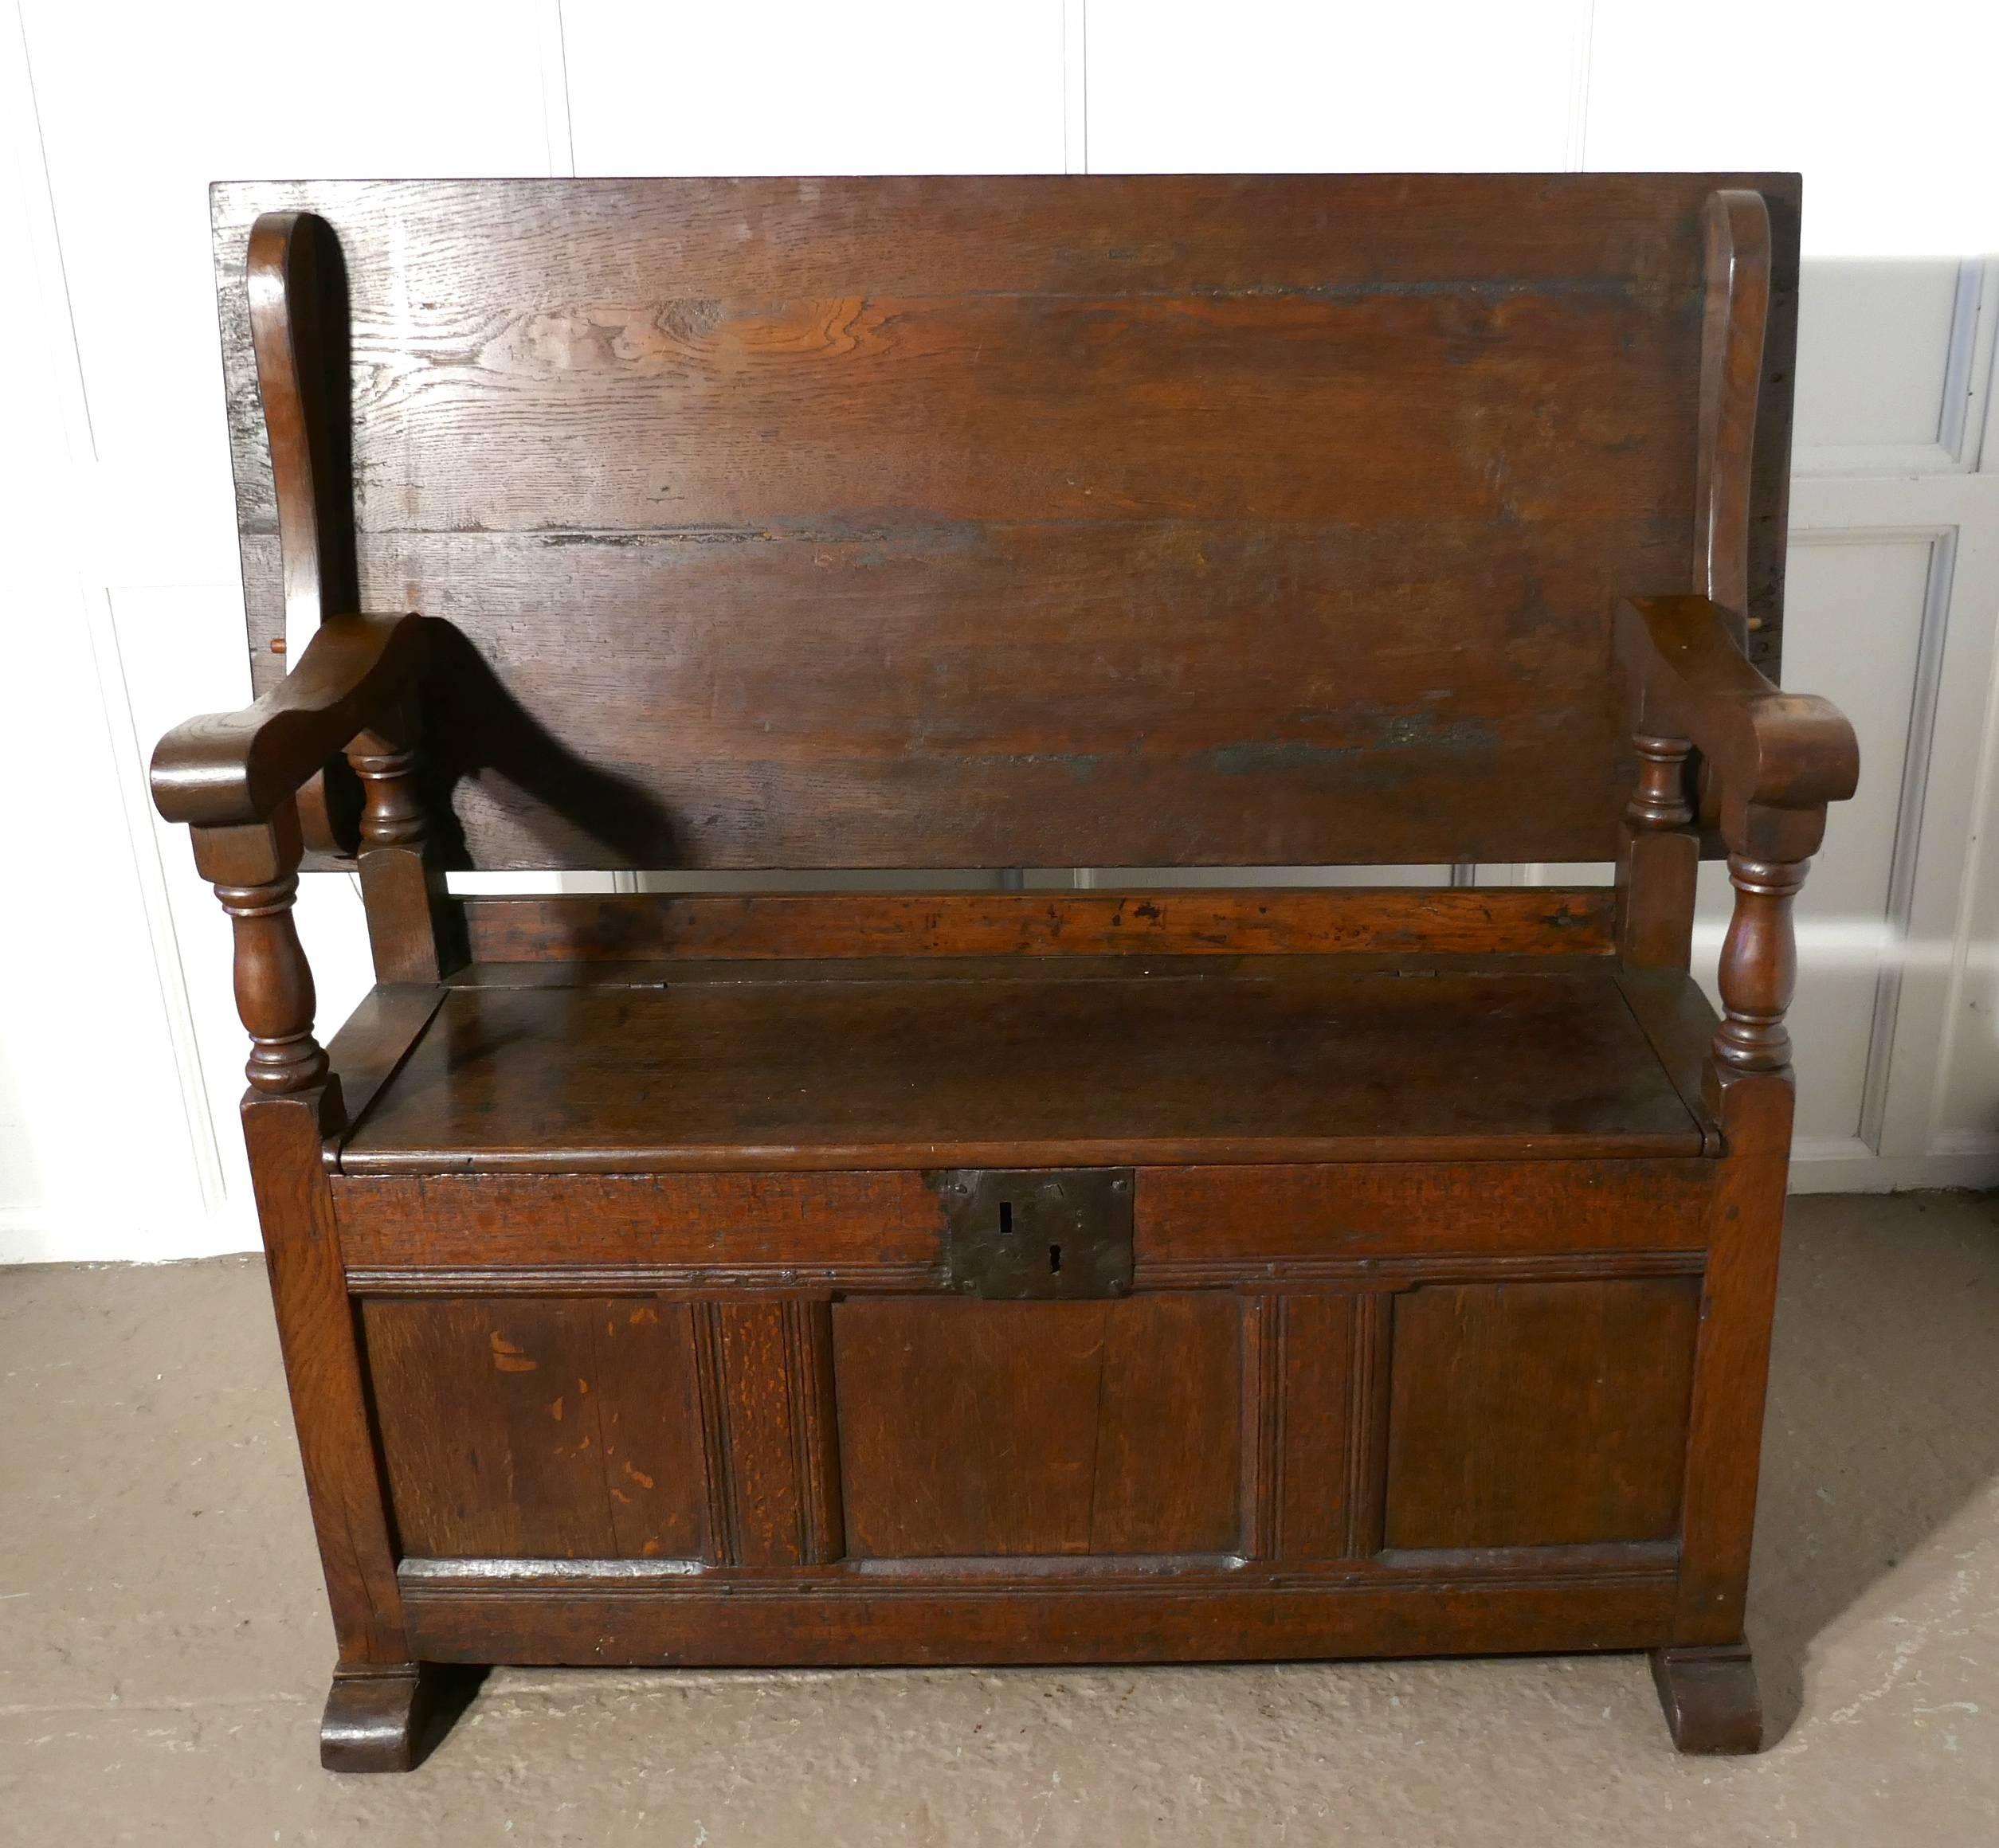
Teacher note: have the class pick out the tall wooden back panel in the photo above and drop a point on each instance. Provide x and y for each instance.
(1048, 521)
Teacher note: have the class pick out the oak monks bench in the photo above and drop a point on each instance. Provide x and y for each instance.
(1063, 1273)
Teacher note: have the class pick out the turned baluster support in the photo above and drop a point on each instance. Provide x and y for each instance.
(391, 813)
(410, 929)
(254, 871)
(1659, 801)
(1759, 965)
(1660, 857)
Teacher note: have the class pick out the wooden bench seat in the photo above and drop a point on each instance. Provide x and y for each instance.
(1039, 1270)
(1027, 1063)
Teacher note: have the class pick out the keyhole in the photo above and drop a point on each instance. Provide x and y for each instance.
(1006, 1218)
(1055, 1257)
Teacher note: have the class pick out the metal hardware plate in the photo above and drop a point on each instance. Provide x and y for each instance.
(1026, 1234)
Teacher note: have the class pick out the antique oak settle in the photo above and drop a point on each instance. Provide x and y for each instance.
(966, 1276)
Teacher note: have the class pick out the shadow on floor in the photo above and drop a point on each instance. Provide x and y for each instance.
(1883, 1421)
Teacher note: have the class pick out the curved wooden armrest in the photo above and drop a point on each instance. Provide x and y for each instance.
(1780, 758)
(233, 769)
(1771, 748)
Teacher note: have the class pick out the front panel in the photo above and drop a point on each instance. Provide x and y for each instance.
(1451, 1415)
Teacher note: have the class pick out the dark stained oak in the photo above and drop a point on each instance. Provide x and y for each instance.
(1677, 1019)
(1277, 405)
(1539, 1414)
(997, 1428)
(238, 768)
(1709, 1692)
(366, 1052)
(1306, 1214)
(700, 1223)
(1736, 227)
(414, 933)
(1743, 1225)
(254, 869)
(698, 1231)
(1270, 1065)
(372, 1718)
(573, 1433)
(1401, 921)
(1096, 1275)
(1174, 1615)
(1777, 760)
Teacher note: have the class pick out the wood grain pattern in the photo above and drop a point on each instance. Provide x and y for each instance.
(1269, 1064)
(1724, 1431)
(323, 1373)
(1776, 760)
(563, 1429)
(414, 934)
(254, 868)
(1000, 1428)
(1312, 1490)
(1775, 754)
(1710, 1696)
(1737, 234)
(775, 926)
(1265, 1315)
(788, 1225)
(294, 287)
(373, 1718)
(1659, 861)
(1680, 1023)
(1539, 1414)
(862, 1620)
(365, 1053)
(1370, 1402)
(1304, 415)
(237, 768)
(779, 1232)
(776, 1458)
(1328, 1212)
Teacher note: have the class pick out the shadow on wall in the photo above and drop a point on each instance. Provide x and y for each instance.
(1882, 1424)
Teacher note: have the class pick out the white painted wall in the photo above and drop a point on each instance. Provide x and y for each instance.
(119, 1053)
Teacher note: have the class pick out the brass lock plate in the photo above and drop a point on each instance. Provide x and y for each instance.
(1026, 1234)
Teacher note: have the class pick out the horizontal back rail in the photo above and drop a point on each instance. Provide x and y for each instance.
(1527, 920)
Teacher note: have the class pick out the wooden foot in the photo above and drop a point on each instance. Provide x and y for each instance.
(1710, 1697)
(372, 1718)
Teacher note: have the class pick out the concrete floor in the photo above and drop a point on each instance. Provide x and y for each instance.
(163, 1651)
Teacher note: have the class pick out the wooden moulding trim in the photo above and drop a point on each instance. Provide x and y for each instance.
(691, 1281)
(1243, 1151)
(1247, 1616)
(380, 1034)
(1680, 1025)
(803, 1232)
(780, 925)
(1398, 1273)
(1043, 1575)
